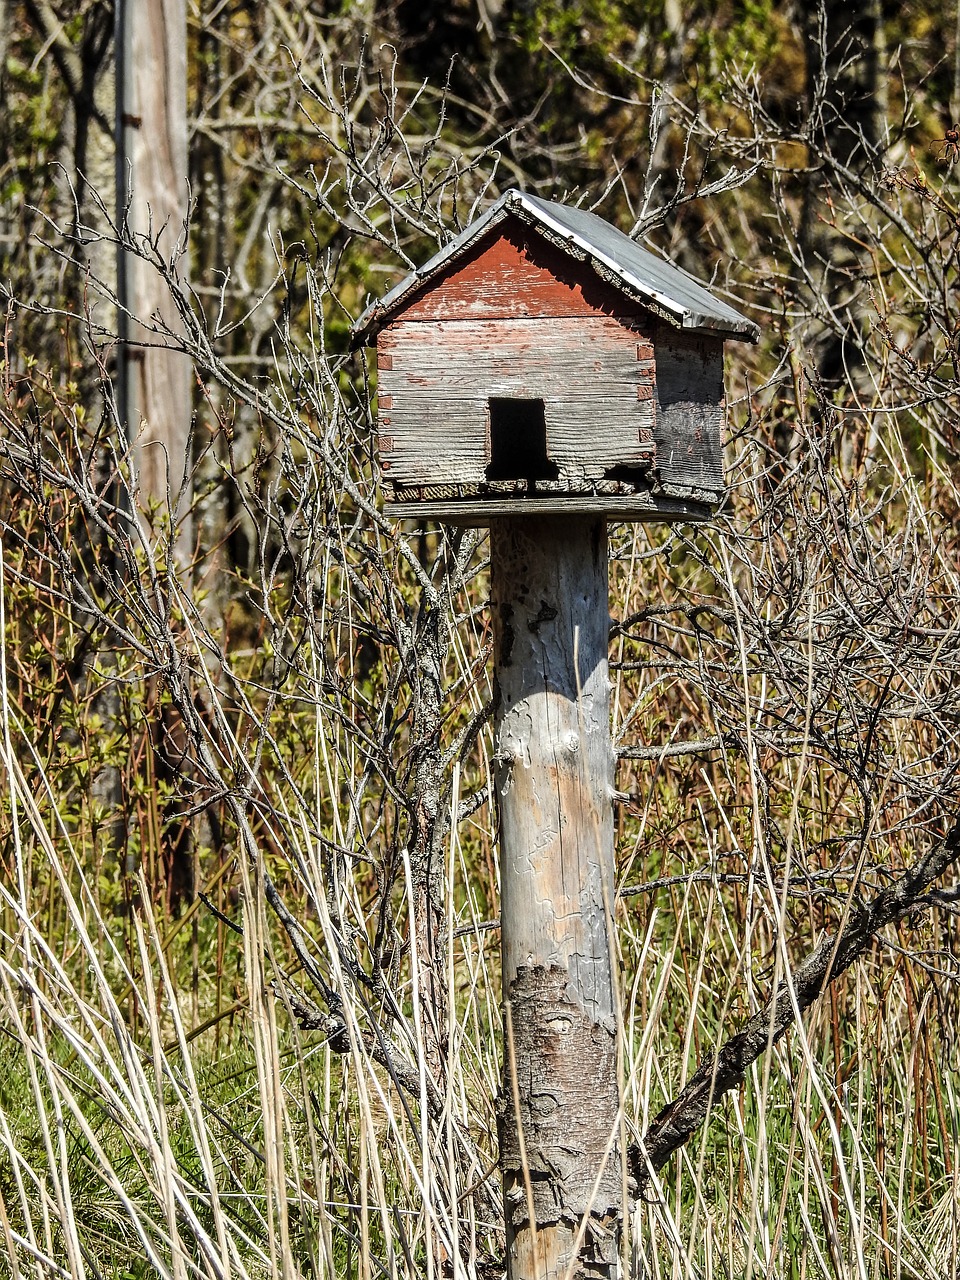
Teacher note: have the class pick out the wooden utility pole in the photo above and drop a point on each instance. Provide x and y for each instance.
(560, 1153)
(154, 377)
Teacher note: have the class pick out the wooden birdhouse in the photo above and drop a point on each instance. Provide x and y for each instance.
(542, 362)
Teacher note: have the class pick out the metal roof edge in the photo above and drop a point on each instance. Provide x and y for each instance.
(747, 332)
(537, 213)
(742, 328)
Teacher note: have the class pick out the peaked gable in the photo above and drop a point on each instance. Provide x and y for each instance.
(513, 273)
(613, 257)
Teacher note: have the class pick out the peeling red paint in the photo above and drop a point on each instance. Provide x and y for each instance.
(514, 273)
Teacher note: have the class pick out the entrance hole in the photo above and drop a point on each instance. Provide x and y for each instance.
(518, 441)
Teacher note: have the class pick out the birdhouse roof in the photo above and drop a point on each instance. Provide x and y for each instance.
(640, 275)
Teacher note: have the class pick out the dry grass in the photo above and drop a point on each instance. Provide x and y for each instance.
(156, 1126)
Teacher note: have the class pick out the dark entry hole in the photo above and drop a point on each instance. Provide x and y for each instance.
(518, 441)
(639, 476)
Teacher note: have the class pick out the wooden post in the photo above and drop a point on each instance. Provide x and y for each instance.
(560, 1153)
(154, 378)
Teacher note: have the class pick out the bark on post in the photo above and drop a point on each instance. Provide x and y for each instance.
(154, 378)
(555, 782)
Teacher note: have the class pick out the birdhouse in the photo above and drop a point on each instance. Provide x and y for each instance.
(544, 363)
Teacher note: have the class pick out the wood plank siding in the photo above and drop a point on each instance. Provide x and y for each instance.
(598, 397)
(514, 273)
(690, 409)
(630, 405)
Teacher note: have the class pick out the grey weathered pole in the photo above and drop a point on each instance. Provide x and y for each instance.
(560, 1155)
(154, 375)
(154, 378)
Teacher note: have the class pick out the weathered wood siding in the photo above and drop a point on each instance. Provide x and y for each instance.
(690, 410)
(514, 273)
(594, 374)
(632, 405)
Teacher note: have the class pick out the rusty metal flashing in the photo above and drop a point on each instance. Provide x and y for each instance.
(645, 467)
(657, 284)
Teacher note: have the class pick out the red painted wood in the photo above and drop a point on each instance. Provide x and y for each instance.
(515, 274)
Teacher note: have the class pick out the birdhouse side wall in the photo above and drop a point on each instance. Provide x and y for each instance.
(690, 412)
(594, 374)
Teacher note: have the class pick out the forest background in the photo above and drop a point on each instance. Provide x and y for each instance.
(249, 988)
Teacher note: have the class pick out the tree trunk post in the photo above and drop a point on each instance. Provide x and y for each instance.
(154, 378)
(559, 1127)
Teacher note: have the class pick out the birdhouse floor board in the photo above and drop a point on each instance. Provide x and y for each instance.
(478, 512)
